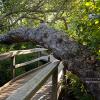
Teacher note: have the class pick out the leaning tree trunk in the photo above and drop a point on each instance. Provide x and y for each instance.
(77, 58)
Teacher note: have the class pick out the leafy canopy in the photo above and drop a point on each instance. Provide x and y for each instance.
(79, 18)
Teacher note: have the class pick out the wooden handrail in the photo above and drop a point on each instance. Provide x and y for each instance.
(23, 75)
(31, 87)
(34, 84)
(20, 52)
(12, 54)
(29, 62)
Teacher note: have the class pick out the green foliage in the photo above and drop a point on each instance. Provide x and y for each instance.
(78, 89)
(84, 23)
(5, 71)
(79, 18)
(6, 68)
(19, 46)
(82, 19)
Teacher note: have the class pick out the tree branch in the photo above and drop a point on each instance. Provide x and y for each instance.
(20, 18)
(28, 11)
(47, 37)
(75, 57)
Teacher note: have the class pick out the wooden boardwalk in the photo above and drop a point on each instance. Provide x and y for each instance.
(28, 85)
(43, 94)
(23, 80)
(13, 85)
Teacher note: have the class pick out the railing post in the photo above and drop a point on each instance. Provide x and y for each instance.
(39, 54)
(48, 58)
(13, 66)
(64, 75)
(55, 84)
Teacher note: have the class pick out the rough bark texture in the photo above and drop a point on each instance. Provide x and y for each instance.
(76, 58)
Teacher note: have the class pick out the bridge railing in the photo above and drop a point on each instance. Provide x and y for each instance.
(27, 91)
(13, 54)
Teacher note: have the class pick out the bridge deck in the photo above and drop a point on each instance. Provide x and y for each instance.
(11, 86)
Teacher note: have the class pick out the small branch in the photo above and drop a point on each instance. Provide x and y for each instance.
(93, 2)
(20, 18)
(28, 11)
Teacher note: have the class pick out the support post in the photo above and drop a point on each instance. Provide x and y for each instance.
(13, 66)
(39, 54)
(64, 77)
(48, 58)
(55, 84)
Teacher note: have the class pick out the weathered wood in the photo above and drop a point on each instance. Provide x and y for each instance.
(6, 55)
(29, 72)
(49, 59)
(23, 75)
(39, 55)
(31, 87)
(54, 84)
(64, 76)
(29, 62)
(13, 66)
(20, 52)
(60, 78)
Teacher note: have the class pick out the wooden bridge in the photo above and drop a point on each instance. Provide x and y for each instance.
(28, 85)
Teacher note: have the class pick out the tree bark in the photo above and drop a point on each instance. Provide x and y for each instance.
(77, 58)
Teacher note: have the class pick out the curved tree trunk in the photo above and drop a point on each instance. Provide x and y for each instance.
(77, 58)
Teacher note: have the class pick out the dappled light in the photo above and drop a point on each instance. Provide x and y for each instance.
(44, 38)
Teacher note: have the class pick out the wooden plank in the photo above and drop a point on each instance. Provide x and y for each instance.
(39, 55)
(6, 55)
(60, 78)
(31, 87)
(29, 62)
(29, 72)
(23, 75)
(20, 52)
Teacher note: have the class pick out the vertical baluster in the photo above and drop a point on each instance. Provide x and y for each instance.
(64, 75)
(13, 66)
(39, 54)
(48, 58)
(54, 84)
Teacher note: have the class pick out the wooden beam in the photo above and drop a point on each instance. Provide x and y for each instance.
(22, 75)
(20, 52)
(29, 62)
(60, 78)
